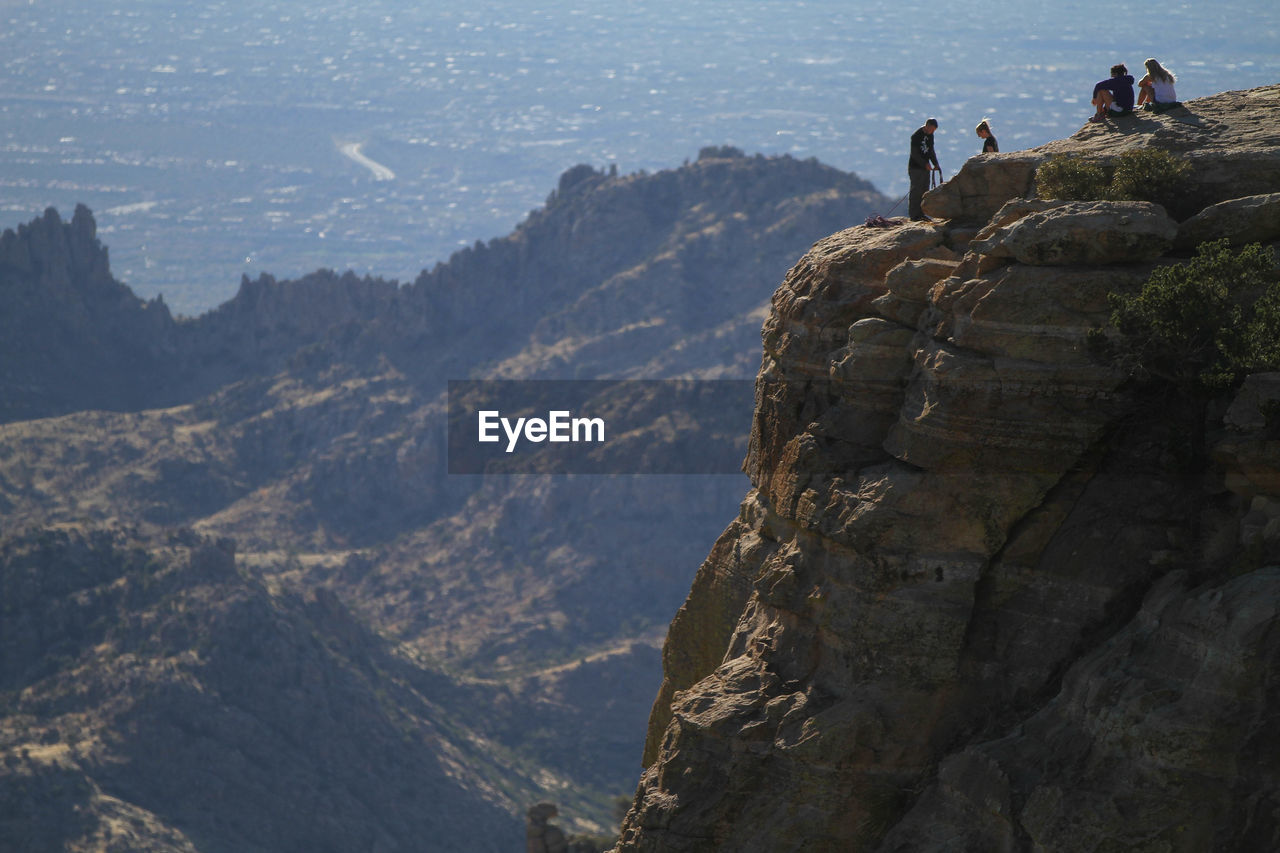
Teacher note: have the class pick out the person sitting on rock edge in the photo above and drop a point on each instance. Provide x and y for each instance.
(1115, 94)
(990, 146)
(1155, 90)
(923, 160)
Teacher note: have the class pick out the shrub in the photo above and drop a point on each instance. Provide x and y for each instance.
(1071, 178)
(1204, 325)
(1147, 174)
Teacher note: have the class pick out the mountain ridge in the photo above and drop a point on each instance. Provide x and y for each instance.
(270, 320)
(304, 420)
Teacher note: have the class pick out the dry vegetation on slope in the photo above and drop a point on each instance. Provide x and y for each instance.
(302, 419)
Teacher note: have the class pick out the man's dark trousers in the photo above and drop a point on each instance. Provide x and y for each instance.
(919, 184)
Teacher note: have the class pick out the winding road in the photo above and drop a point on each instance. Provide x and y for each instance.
(380, 172)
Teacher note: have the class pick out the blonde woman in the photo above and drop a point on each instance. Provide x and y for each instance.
(990, 146)
(1157, 87)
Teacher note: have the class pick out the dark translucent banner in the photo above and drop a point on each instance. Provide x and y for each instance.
(628, 426)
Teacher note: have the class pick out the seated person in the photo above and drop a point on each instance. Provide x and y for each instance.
(1156, 89)
(1115, 94)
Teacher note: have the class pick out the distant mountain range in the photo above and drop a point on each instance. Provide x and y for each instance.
(245, 608)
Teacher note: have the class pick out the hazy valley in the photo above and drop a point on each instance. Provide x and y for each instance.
(506, 627)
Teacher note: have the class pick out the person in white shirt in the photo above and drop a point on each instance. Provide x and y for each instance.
(1157, 86)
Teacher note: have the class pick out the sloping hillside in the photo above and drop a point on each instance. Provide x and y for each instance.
(304, 420)
(158, 697)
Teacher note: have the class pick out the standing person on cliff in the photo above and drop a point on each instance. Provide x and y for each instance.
(923, 160)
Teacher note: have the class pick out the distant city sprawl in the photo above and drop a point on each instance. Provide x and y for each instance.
(224, 138)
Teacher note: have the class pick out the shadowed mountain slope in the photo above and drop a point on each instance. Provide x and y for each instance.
(304, 419)
(162, 698)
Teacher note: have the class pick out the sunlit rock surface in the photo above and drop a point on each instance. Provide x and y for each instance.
(974, 601)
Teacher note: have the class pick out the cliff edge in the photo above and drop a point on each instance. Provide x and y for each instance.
(973, 601)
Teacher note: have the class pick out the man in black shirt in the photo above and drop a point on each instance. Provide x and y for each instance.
(923, 160)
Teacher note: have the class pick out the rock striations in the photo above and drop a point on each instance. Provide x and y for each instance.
(972, 602)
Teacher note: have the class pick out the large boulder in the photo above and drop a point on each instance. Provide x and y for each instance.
(982, 186)
(1081, 233)
(1252, 219)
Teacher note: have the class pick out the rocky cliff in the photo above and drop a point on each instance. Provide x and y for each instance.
(974, 600)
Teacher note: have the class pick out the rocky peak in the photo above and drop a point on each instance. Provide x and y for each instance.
(102, 345)
(47, 247)
(579, 179)
(966, 541)
(646, 252)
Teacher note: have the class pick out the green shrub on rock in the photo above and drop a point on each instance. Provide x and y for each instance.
(1146, 174)
(1071, 178)
(1205, 324)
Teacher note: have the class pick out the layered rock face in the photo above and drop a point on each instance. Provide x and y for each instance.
(973, 601)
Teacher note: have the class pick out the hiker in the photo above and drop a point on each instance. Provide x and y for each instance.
(923, 161)
(1156, 89)
(1115, 94)
(990, 146)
